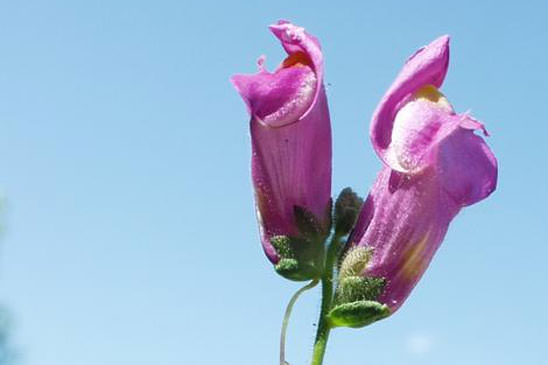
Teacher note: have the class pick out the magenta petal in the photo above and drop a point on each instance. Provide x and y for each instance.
(410, 216)
(428, 66)
(419, 128)
(467, 167)
(290, 92)
(280, 98)
(406, 216)
(291, 136)
(291, 166)
(295, 39)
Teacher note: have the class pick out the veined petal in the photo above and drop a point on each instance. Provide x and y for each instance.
(406, 216)
(291, 136)
(291, 166)
(410, 215)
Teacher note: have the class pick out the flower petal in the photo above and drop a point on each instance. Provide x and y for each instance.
(410, 218)
(407, 215)
(291, 166)
(428, 66)
(280, 98)
(467, 166)
(288, 94)
(296, 40)
(417, 131)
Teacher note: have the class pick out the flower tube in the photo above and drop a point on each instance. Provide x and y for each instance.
(291, 153)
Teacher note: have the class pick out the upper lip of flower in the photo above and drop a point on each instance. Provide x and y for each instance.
(427, 66)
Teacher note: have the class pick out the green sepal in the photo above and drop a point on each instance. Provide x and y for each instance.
(300, 260)
(293, 270)
(357, 288)
(302, 257)
(357, 314)
(347, 209)
(283, 246)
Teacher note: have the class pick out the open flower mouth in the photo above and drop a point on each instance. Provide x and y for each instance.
(285, 96)
(291, 92)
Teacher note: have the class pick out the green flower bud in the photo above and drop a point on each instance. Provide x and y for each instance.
(347, 208)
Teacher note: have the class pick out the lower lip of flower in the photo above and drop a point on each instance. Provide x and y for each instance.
(415, 124)
(296, 70)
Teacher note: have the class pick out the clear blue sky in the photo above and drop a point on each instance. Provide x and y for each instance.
(124, 161)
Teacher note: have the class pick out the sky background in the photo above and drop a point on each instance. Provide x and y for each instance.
(129, 227)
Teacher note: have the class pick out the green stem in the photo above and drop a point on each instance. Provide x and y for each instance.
(288, 310)
(322, 335)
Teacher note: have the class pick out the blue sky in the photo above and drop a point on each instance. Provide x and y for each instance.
(130, 235)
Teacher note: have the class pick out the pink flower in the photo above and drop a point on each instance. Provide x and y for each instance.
(291, 141)
(434, 165)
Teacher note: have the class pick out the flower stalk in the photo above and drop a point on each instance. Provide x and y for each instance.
(322, 335)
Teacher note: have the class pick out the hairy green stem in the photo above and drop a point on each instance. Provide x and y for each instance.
(322, 335)
(285, 322)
